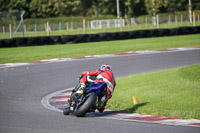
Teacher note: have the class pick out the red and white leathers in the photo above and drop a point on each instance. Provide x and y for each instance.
(101, 76)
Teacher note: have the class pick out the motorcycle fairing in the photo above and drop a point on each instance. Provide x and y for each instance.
(97, 88)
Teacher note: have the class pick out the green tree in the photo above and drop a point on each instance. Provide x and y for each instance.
(54, 8)
(139, 8)
(152, 6)
(130, 6)
(99, 7)
(195, 5)
(15, 5)
(173, 6)
(4, 5)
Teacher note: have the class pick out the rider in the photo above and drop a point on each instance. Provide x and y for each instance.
(104, 78)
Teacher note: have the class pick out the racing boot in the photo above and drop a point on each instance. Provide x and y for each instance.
(101, 109)
(101, 104)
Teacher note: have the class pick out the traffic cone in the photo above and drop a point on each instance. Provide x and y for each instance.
(134, 100)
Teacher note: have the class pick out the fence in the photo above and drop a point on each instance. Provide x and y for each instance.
(99, 24)
(145, 22)
(70, 39)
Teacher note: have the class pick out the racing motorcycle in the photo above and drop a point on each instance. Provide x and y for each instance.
(84, 100)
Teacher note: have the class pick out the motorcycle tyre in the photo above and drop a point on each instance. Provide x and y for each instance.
(87, 105)
(66, 111)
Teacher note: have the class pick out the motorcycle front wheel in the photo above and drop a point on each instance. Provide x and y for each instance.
(66, 111)
(91, 99)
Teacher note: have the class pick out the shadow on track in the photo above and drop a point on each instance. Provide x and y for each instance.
(135, 107)
(126, 111)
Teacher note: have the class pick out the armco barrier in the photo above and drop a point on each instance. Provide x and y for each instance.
(69, 39)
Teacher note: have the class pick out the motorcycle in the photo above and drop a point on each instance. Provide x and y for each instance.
(84, 100)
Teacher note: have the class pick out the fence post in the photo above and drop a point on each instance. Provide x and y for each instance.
(88, 22)
(176, 20)
(154, 19)
(198, 18)
(84, 26)
(71, 25)
(121, 27)
(59, 26)
(10, 29)
(35, 28)
(67, 26)
(25, 28)
(157, 21)
(194, 19)
(169, 19)
(3, 29)
(181, 18)
(146, 21)
(48, 29)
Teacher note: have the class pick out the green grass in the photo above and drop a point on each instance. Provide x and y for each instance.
(35, 53)
(172, 93)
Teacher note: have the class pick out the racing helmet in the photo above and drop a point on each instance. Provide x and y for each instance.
(106, 67)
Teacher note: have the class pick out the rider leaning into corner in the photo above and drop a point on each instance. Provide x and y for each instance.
(102, 77)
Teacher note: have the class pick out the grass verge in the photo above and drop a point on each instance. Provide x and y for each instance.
(35, 53)
(172, 93)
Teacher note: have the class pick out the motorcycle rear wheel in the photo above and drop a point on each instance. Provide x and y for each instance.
(87, 105)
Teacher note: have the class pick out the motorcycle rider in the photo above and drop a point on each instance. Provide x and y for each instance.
(102, 78)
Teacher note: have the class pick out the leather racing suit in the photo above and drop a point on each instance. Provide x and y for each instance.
(101, 76)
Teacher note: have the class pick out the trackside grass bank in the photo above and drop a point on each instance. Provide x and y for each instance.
(172, 93)
(35, 53)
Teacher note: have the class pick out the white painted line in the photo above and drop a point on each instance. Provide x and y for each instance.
(16, 64)
(179, 121)
(55, 60)
(45, 100)
(58, 100)
(115, 116)
(64, 94)
(148, 52)
(104, 56)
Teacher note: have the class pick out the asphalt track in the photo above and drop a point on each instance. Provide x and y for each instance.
(23, 87)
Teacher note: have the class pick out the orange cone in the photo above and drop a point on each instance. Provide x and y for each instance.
(134, 100)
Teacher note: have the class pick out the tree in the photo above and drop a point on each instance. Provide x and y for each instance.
(139, 8)
(15, 5)
(152, 7)
(173, 6)
(54, 8)
(4, 5)
(130, 6)
(195, 5)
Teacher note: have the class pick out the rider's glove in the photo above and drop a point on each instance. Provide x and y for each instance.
(81, 76)
(81, 88)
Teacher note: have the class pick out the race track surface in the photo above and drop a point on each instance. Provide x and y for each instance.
(22, 89)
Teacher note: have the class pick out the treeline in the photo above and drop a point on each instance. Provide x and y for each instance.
(59, 8)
